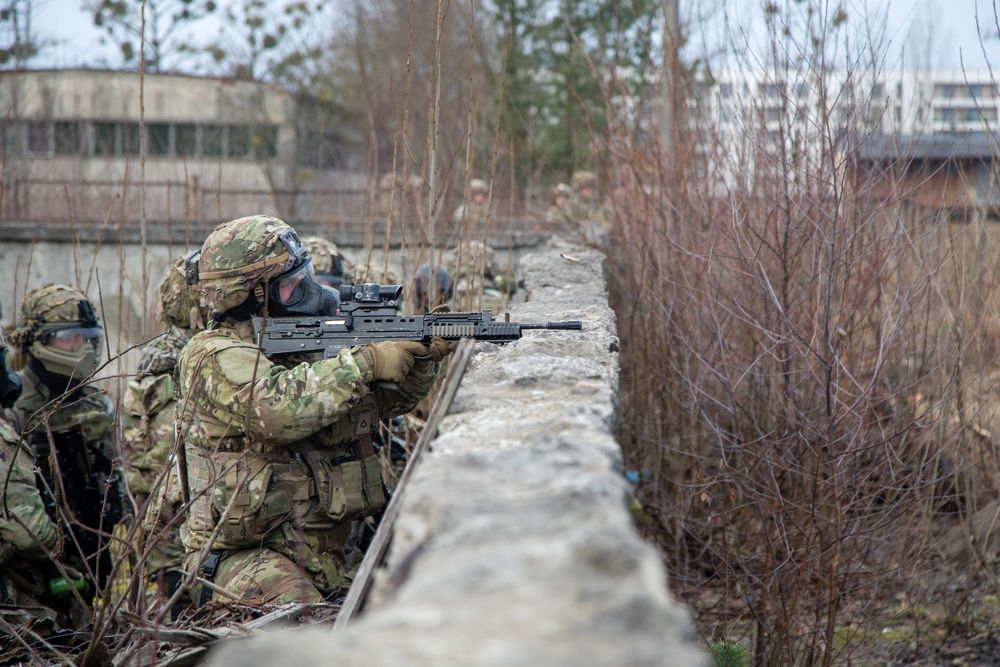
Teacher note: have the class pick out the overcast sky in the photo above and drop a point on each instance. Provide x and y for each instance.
(929, 33)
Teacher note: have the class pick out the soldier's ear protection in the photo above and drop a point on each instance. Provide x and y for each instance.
(191, 267)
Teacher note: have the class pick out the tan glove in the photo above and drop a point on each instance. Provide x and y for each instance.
(440, 348)
(392, 360)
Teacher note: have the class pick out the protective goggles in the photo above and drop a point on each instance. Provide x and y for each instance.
(71, 339)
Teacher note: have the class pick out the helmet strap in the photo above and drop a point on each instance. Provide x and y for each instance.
(251, 306)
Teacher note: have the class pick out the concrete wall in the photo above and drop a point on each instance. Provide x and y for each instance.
(515, 545)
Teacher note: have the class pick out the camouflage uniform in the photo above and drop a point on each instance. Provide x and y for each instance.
(559, 213)
(149, 424)
(28, 536)
(585, 206)
(279, 457)
(328, 261)
(33, 535)
(474, 268)
(474, 213)
(56, 405)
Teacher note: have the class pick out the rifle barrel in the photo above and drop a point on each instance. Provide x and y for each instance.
(566, 325)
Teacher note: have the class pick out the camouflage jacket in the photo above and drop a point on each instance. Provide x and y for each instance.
(87, 409)
(270, 449)
(32, 533)
(582, 210)
(475, 217)
(149, 410)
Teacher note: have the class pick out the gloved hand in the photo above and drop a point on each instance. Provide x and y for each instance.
(440, 348)
(392, 360)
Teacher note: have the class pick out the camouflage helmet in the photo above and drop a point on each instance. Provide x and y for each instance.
(478, 186)
(322, 253)
(241, 255)
(57, 325)
(583, 179)
(49, 307)
(375, 274)
(181, 305)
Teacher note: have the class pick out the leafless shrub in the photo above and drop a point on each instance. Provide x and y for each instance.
(803, 363)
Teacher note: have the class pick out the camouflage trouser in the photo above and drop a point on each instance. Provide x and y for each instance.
(303, 566)
(259, 576)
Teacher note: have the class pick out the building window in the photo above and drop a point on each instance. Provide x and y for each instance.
(13, 143)
(944, 115)
(159, 139)
(39, 133)
(239, 141)
(130, 138)
(983, 91)
(212, 141)
(186, 140)
(726, 90)
(68, 138)
(104, 139)
(944, 90)
(265, 141)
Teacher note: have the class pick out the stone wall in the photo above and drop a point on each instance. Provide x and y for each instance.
(515, 545)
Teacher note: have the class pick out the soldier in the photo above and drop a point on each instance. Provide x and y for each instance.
(67, 422)
(559, 212)
(477, 210)
(149, 428)
(585, 205)
(280, 458)
(29, 539)
(331, 268)
(480, 280)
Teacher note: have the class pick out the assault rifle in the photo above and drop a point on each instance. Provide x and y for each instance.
(90, 491)
(369, 314)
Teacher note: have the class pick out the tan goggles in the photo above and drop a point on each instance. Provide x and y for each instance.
(71, 339)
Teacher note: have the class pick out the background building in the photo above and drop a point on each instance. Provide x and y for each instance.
(925, 138)
(215, 149)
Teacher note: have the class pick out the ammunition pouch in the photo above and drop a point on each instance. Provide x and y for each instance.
(249, 495)
(350, 486)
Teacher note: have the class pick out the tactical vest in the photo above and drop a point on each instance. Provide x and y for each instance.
(251, 489)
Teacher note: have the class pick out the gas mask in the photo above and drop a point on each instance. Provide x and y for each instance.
(296, 293)
(10, 382)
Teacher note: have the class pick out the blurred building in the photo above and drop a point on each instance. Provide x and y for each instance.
(214, 149)
(923, 137)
